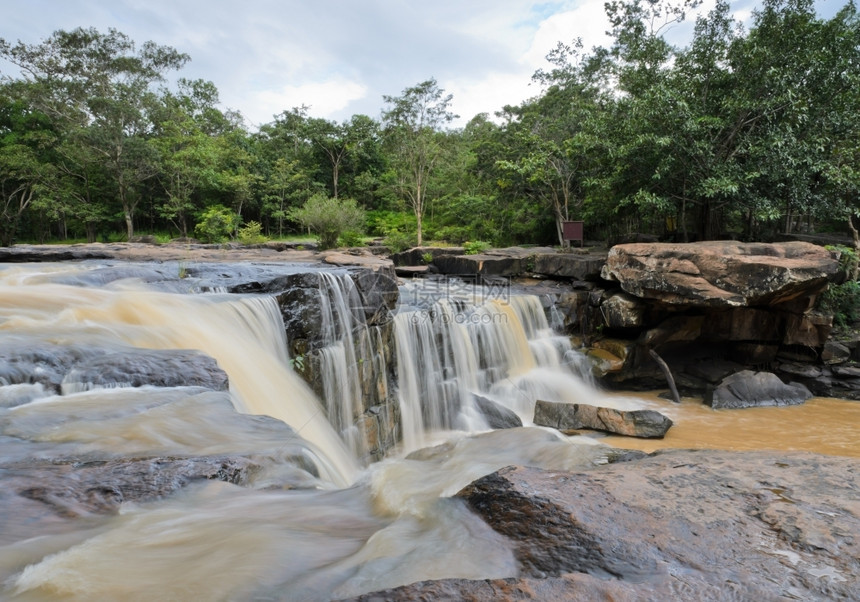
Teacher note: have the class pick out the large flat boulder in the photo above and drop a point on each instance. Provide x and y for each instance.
(678, 525)
(483, 264)
(82, 366)
(721, 273)
(574, 266)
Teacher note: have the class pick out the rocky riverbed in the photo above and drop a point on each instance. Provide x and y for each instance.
(674, 525)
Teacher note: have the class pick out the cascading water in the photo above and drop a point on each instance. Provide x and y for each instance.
(454, 343)
(289, 530)
(349, 358)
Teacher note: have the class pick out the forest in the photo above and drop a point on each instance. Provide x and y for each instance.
(746, 132)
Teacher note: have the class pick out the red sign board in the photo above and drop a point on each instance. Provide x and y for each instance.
(573, 231)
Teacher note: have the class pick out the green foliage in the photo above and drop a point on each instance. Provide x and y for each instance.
(351, 238)
(216, 224)
(476, 247)
(849, 260)
(400, 241)
(329, 218)
(746, 130)
(383, 223)
(250, 234)
(298, 363)
(427, 258)
(843, 302)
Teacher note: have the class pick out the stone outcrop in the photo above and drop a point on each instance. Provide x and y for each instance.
(721, 274)
(762, 526)
(70, 487)
(647, 424)
(84, 367)
(748, 389)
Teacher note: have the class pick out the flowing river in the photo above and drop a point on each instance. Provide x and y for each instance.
(311, 522)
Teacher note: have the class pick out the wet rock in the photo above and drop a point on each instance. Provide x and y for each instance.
(379, 294)
(572, 587)
(801, 370)
(604, 362)
(572, 416)
(86, 366)
(153, 367)
(747, 389)
(810, 329)
(721, 273)
(76, 488)
(496, 415)
(678, 525)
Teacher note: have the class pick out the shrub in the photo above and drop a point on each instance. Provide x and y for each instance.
(329, 218)
(250, 234)
(843, 302)
(475, 247)
(351, 238)
(400, 241)
(216, 224)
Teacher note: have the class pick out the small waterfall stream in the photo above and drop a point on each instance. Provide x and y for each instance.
(454, 348)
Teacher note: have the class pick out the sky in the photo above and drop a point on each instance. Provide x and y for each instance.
(339, 57)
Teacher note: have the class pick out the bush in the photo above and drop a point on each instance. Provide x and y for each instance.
(250, 234)
(351, 238)
(329, 218)
(475, 247)
(400, 241)
(843, 302)
(216, 224)
(384, 223)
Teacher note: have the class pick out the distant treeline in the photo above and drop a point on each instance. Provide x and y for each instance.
(744, 133)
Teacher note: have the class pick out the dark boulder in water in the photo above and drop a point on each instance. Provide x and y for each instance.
(496, 415)
(748, 389)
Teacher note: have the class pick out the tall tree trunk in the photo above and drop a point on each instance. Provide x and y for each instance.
(855, 272)
(129, 224)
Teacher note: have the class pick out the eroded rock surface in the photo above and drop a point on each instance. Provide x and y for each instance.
(721, 273)
(85, 366)
(680, 525)
(572, 416)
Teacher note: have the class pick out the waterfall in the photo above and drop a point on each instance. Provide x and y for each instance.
(350, 359)
(247, 341)
(452, 347)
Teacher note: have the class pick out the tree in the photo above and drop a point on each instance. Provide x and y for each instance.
(26, 172)
(554, 136)
(100, 84)
(329, 218)
(185, 139)
(413, 123)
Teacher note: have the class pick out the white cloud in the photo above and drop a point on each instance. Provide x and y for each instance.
(324, 99)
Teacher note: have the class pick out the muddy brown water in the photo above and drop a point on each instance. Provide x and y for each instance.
(822, 425)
